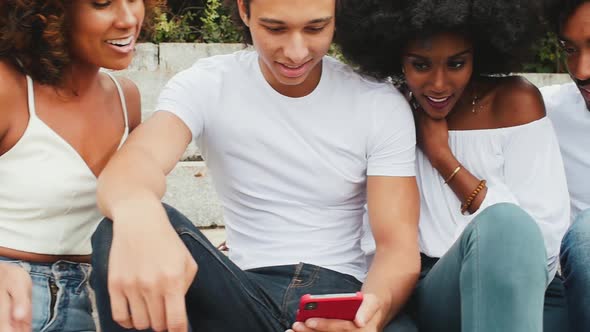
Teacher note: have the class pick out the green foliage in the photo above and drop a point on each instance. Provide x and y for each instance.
(217, 24)
(213, 24)
(175, 27)
(335, 52)
(549, 57)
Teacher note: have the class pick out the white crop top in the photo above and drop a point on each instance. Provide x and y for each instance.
(47, 191)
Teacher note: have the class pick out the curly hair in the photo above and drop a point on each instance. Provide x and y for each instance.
(34, 36)
(372, 34)
(557, 12)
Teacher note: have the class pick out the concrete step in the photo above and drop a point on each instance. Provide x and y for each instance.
(190, 190)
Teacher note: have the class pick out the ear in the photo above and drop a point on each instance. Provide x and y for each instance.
(244, 12)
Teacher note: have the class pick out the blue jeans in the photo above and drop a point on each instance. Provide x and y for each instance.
(225, 298)
(575, 265)
(61, 301)
(494, 278)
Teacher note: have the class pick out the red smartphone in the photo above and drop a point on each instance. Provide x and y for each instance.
(333, 306)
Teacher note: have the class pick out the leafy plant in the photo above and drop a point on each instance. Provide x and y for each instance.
(175, 27)
(549, 57)
(218, 26)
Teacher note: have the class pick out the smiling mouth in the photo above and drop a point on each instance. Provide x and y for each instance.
(438, 100)
(121, 42)
(294, 67)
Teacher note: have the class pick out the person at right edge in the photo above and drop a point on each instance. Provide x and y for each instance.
(568, 106)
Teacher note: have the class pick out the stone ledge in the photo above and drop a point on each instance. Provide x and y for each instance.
(190, 190)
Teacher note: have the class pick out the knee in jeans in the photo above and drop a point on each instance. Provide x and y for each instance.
(581, 226)
(177, 219)
(102, 238)
(101, 245)
(509, 222)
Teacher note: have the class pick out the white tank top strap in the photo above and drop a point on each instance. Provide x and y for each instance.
(123, 105)
(31, 96)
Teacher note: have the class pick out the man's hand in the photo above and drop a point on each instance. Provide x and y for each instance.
(15, 299)
(367, 319)
(150, 270)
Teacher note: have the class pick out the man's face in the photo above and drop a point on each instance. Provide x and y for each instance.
(575, 41)
(291, 37)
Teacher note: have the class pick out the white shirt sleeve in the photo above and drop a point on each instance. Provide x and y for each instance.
(392, 137)
(186, 95)
(535, 180)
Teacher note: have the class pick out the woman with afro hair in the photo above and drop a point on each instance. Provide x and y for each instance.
(61, 119)
(494, 201)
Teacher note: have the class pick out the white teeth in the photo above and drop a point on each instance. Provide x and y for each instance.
(292, 67)
(121, 42)
(438, 100)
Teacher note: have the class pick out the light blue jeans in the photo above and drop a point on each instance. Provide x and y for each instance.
(61, 301)
(494, 278)
(575, 265)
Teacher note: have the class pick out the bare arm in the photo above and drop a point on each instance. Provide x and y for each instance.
(12, 98)
(393, 204)
(139, 169)
(149, 271)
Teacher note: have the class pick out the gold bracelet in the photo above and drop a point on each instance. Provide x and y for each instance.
(472, 197)
(453, 174)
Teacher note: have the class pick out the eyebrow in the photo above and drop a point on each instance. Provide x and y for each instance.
(469, 50)
(314, 21)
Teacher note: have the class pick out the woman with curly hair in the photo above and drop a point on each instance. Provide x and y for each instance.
(494, 201)
(61, 121)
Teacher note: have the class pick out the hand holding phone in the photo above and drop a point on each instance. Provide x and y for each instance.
(331, 306)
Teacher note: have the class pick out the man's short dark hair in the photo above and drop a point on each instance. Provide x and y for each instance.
(559, 11)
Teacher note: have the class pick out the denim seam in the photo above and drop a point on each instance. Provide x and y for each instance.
(185, 231)
(56, 305)
(311, 280)
(294, 279)
(84, 281)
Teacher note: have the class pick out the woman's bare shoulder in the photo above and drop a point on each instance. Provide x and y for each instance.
(12, 85)
(517, 101)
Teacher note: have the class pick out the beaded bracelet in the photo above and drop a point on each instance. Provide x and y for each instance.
(453, 174)
(472, 197)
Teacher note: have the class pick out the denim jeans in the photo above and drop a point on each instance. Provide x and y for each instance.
(575, 264)
(494, 278)
(225, 298)
(61, 301)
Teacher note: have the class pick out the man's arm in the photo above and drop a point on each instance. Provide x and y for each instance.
(150, 269)
(393, 204)
(139, 169)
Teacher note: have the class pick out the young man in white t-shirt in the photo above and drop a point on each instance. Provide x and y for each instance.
(568, 106)
(296, 143)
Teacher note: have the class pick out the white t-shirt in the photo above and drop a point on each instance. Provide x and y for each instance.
(570, 116)
(521, 164)
(291, 172)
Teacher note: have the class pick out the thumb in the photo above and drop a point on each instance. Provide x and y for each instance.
(21, 294)
(367, 311)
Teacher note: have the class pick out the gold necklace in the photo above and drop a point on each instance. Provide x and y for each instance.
(476, 106)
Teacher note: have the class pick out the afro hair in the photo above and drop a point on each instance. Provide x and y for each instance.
(372, 34)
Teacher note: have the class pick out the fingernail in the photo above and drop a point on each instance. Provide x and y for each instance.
(312, 323)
